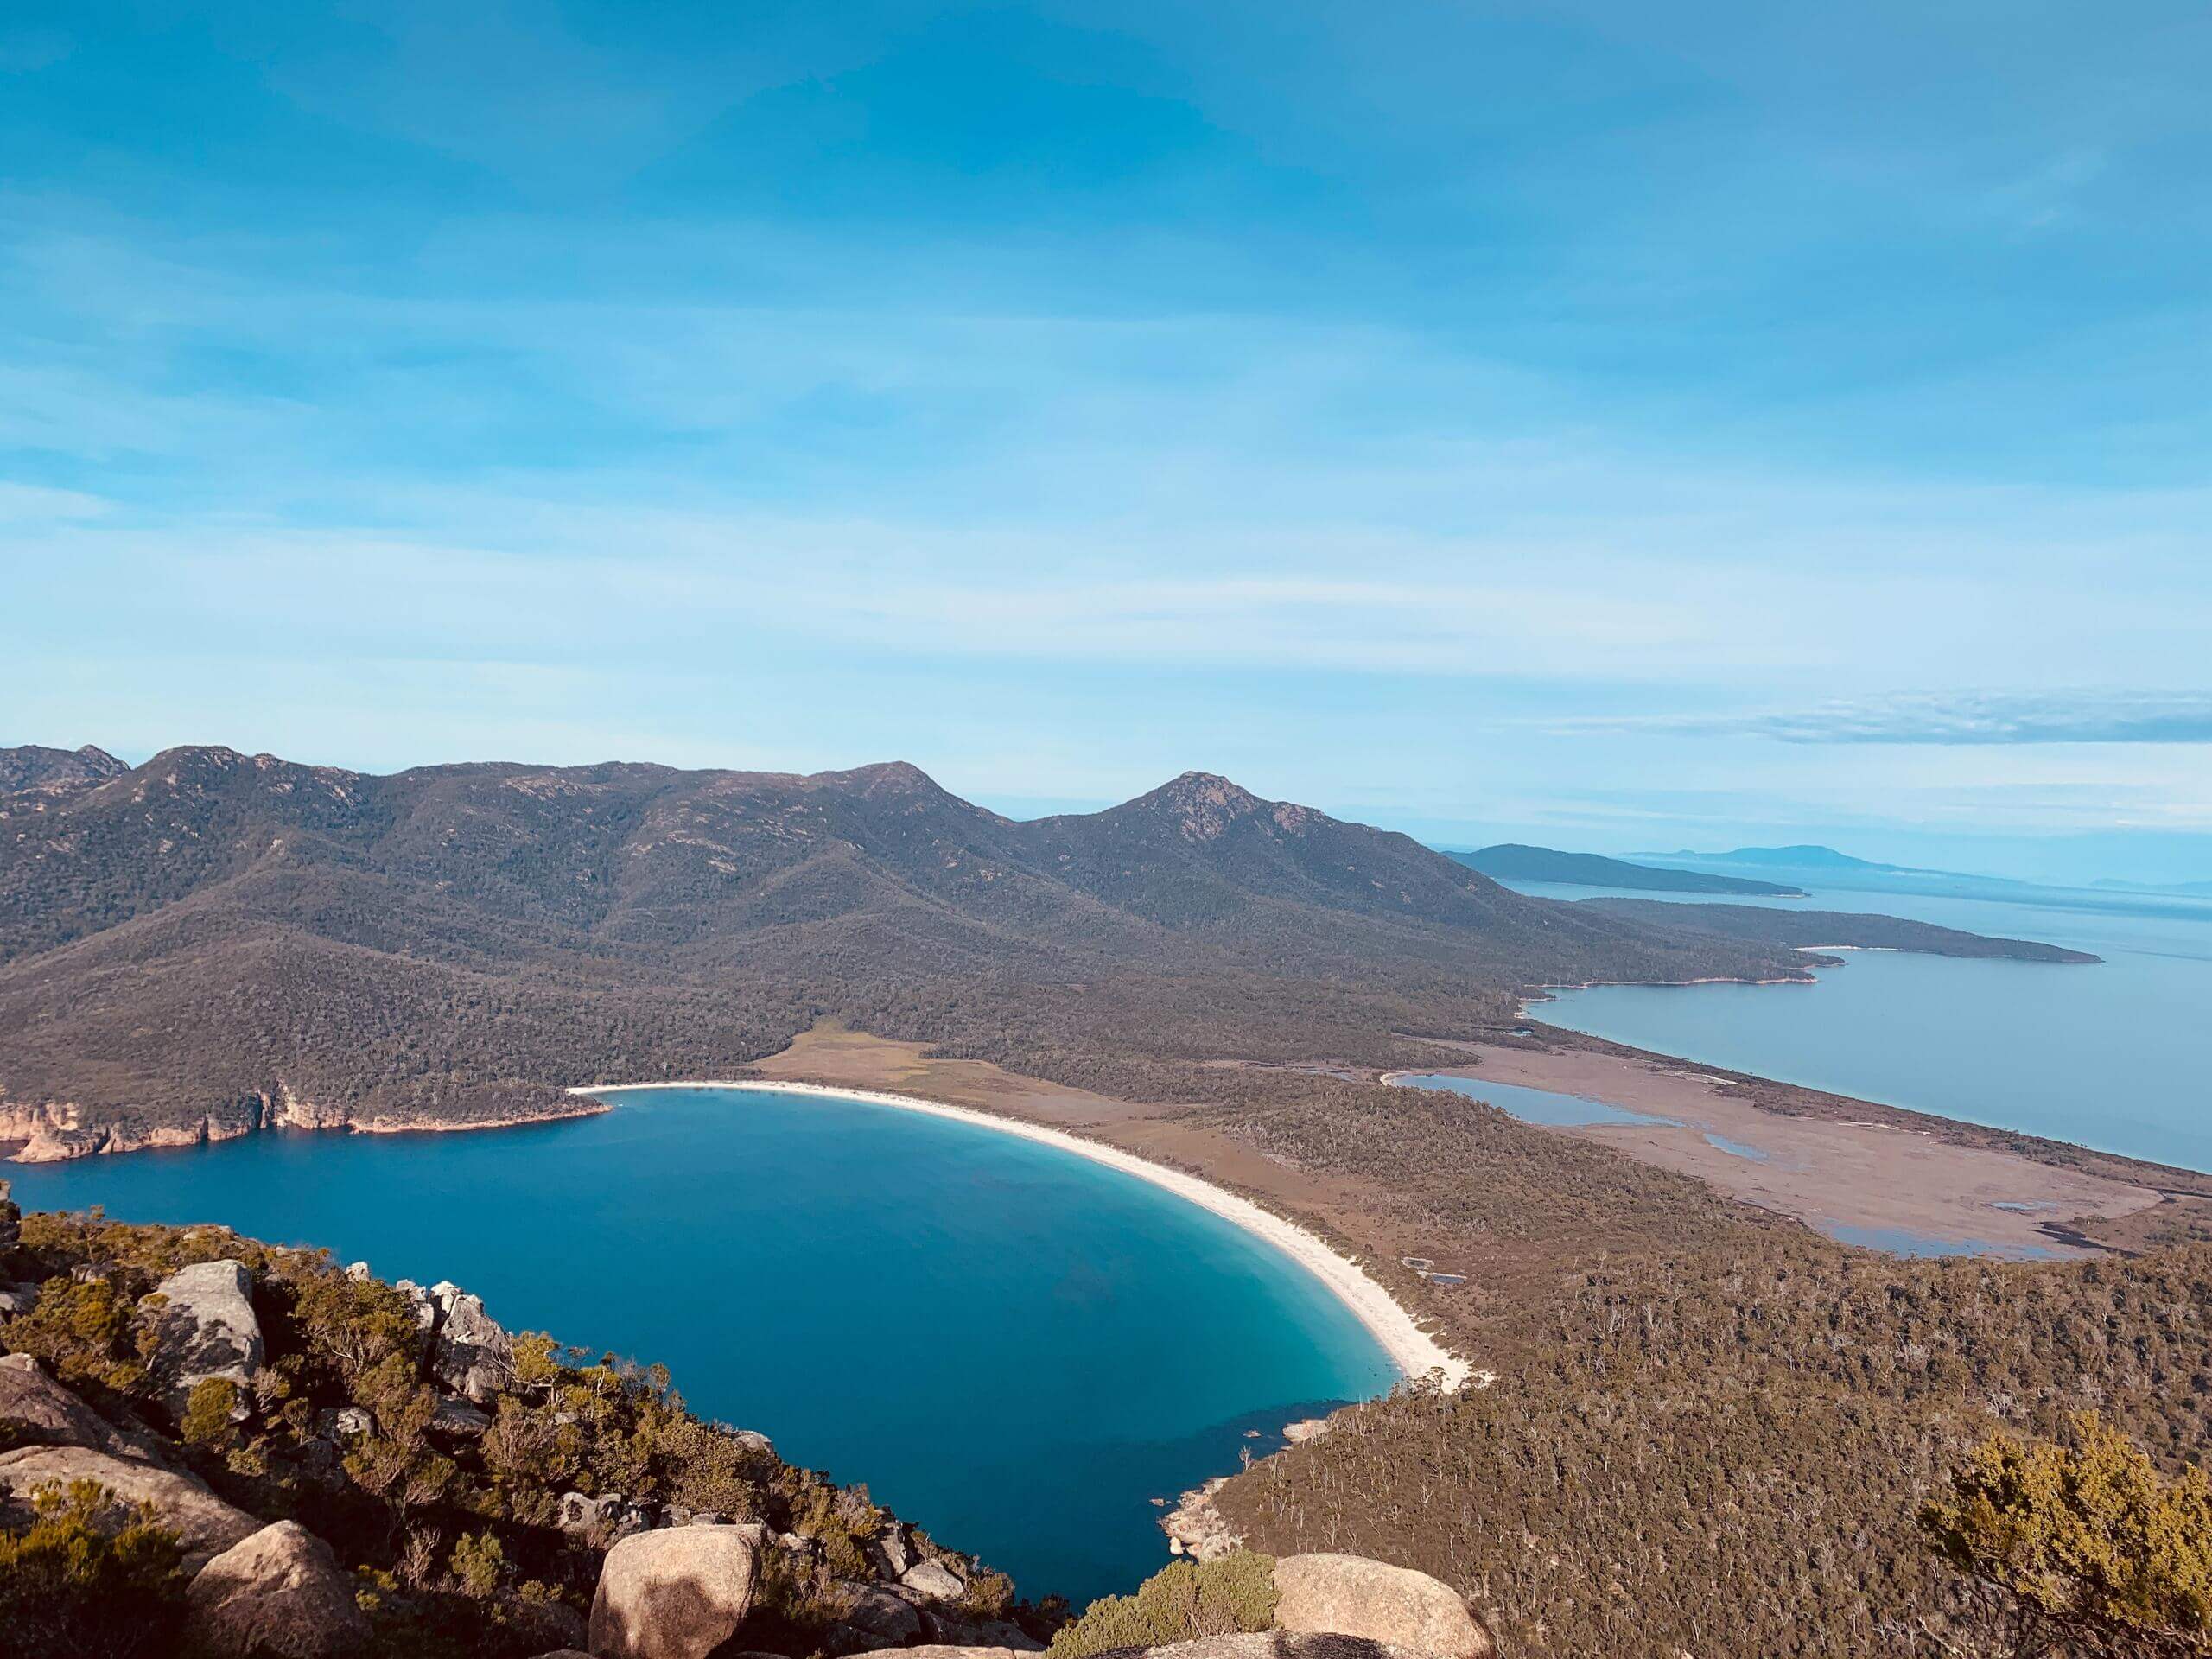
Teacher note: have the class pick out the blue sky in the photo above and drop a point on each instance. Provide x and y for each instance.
(1613, 425)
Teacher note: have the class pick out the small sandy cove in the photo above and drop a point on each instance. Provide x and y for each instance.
(1412, 1350)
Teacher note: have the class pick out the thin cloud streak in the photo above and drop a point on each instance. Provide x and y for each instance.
(1991, 721)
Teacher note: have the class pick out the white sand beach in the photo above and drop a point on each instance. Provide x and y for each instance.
(1412, 1350)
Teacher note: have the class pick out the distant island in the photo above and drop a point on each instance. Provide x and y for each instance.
(1511, 860)
(1824, 869)
(1801, 856)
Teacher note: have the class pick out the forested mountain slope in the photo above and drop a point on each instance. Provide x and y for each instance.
(218, 937)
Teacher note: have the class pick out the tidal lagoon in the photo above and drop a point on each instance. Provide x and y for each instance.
(2116, 1056)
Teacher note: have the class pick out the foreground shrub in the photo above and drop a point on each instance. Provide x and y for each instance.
(76, 1585)
(2085, 1540)
(1189, 1599)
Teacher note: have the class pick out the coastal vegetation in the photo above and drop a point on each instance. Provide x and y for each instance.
(1181, 1602)
(89, 1577)
(2083, 1541)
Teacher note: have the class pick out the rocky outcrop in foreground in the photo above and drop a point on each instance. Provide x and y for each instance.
(679, 1594)
(201, 1322)
(1347, 1595)
(684, 1594)
(202, 1522)
(280, 1593)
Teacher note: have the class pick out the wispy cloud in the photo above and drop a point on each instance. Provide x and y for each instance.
(1972, 720)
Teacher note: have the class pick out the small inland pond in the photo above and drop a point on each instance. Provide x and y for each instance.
(1016, 1348)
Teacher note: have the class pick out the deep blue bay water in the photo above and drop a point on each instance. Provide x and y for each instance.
(2117, 1056)
(1015, 1347)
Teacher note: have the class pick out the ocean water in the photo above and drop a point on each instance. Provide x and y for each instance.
(1015, 1347)
(2117, 1056)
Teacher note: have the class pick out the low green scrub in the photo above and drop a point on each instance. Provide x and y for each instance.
(1181, 1602)
(90, 1578)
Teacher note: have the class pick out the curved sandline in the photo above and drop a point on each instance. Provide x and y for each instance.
(1411, 1350)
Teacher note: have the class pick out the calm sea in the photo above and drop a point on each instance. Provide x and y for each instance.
(1015, 1347)
(2117, 1056)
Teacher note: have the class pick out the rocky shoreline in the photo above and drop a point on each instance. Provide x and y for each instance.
(53, 1132)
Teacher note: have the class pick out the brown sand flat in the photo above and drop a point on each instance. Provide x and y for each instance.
(1824, 1172)
(834, 1053)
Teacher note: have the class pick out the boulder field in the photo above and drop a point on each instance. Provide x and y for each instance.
(684, 1594)
(679, 1589)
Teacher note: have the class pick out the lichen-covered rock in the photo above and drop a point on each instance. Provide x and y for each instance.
(206, 1524)
(608, 1517)
(203, 1326)
(678, 1593)
(933, 1580)
(472, 1354)
(36, 1410)
(877, 1616)
(947, 1628)
(345, 1423)
(419, 1304)
(890, 1552)
(279, 1594)
(1349, 1595)
(459, 1421)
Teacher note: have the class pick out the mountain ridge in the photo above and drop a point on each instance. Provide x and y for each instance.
(203, 935)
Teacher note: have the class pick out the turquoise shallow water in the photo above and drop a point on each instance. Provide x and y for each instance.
(1016, 1348)
(2117, 1056)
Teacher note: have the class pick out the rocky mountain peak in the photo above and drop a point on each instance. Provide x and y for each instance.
(33, 765)
(1202, 806)
(884, 777)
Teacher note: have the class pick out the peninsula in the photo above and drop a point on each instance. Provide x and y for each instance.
(1512, 862)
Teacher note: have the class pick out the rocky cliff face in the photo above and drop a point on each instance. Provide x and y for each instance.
(56, 1131)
